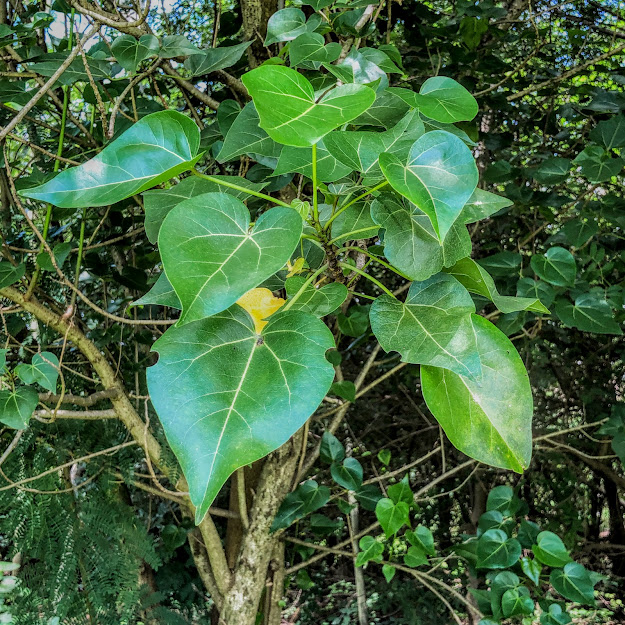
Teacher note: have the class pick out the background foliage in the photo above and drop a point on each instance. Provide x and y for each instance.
(101, 537)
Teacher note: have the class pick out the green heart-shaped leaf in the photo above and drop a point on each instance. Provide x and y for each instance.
(317, 301)
(432, 327)
(285, 25)
(212, 258)
(306, 498)
(590, 313)
(490, 421)
(245, 136)
(355, 222)
(371, 550)
(557, 266)
(550, 550)
(227, 396)
(483, 204)
(215, 58)
(444, 100)
(477, 280)
(9, 274)
(310, 48)
(17, 406)
(158, 202)
(496, 551)
(43, 370)
(410, 242)
(158, 147)
(288, 110)
(129, 52)
(60, 251)
(392, 516)
(574, 583)
(439, 176)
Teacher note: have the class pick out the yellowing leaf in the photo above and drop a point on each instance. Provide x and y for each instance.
(260, 304)
(295, 268)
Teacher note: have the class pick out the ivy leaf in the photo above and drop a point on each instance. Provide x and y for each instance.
(211, 257)
(129, 52)
(490, 421)
(483, 204)
(245, 136)
(517, 601)
(348, 474)
(477, 280)
(17, 406)
(368, 496)
(415, 557)
(439, 176)
(9, 274)
(392, 516)
(361, 151)
(285, 101)
(496, 551)
(422, 538)
(285, 25)
(590, 313)
(433, 326)
(43, 370)
(213, 59)
(177, 45)
(555, 616)
(574, 583)
(306, 498)
(502, 499)
(158, 147)
(309, 49)
(553, 170)
(410, 242)
(557, 266)
(356, 323)
(227, 397)
(319, 301)
(550, 550)
(60, 251)
(444, 100)
(299, 161)
(401, 492)
(370, 550)
(389, 572)
(161, 294)
(355, 222)
(500, 584)
(597, 164)
(345, 389)
(331, 449)
(158, 202)
(536, 289)
(610, 133)
(356, 68)
(532, 569)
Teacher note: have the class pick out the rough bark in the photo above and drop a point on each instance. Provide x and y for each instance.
(249, 577)
(255, 15)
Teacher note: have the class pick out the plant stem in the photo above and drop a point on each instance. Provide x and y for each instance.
(231, 185)
(314, 181)
(304, 287)
(367, 276)
(376, 259)
(346, 206)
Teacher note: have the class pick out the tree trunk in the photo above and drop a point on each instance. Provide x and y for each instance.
(241, 602)
(255, 15)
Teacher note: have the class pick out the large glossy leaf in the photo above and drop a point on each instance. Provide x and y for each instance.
(610, 133)
(496, 551)
(574, 583)
(158, 202)
(410, 242)
(553, 170)
(550, 550)
(161, 294)
(432, 327)
(158, 147)
(17, 406)
(245, 136)
(215, 58)
(310, 50)
(211, 257)
(557, 266)
(356, 68)
(590, 313)
(43, 370)
(129, 52)
(387, 109)
(444, 100)
(361, 150)
(289, 112)
(285, 25)
(477, 280)
(490, 421)
(227, 396)
(439, 176)
(597, 164)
